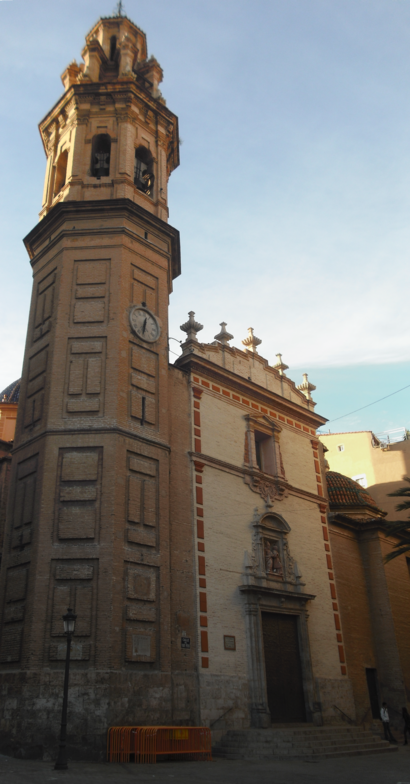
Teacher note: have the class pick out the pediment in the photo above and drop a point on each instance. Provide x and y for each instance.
(263, 419)
(274, 522)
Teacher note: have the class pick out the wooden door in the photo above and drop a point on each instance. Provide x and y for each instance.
(283, 668)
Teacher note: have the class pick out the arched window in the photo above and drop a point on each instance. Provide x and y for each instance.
(61, 172)
(100, 156)
(113, 47)
(144, 171)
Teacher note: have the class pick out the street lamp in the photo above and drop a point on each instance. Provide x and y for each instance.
(69, 624)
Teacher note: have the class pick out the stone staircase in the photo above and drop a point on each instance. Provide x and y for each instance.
(299, 742)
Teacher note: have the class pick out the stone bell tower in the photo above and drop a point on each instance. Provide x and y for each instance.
(111, 136)
(90, 503)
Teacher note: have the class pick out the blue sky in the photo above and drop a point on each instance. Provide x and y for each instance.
(293, 194)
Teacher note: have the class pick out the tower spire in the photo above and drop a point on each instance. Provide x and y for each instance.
(119, 9)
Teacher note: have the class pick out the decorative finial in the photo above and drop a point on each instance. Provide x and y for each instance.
(119, 9)
(280, 366)
(251, 341)
(306, 387)
(223, 336)
(191, 327)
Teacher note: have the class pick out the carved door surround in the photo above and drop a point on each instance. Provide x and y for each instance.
(263, 457)
(281, 591)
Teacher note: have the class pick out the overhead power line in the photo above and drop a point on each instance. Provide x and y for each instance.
(369, 404)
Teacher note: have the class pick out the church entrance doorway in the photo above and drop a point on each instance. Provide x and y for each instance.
(284, 682)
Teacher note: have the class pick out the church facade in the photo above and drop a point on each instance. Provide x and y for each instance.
(181, 510)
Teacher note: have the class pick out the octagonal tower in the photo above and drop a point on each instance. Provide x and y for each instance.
(94, 479)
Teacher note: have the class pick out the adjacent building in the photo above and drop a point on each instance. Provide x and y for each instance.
(373, 599)
(378, 463)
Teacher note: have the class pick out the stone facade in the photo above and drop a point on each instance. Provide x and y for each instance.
(258, 477)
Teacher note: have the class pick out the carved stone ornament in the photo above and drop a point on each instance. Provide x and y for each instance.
(251, 342)
(191, 327)
(270, 561)
(223, 336)
(273, 491)
(266, 473)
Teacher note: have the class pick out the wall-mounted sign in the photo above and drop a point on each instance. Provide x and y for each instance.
(185, 642)
(229, 643)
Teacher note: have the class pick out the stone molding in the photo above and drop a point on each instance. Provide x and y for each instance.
(196, 364)
(214, 462)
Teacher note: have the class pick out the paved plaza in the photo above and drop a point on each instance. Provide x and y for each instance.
(373, 769)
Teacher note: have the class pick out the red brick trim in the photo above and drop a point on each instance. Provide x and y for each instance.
(200, 527)
(204, 642)
(332, 586)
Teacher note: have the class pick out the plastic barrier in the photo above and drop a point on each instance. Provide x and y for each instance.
(145, 744)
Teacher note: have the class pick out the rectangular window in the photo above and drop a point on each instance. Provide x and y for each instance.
(265, 454)
(341, 447)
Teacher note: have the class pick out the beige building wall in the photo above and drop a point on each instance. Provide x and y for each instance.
(8, 416)
(227, 506)
(383, 468)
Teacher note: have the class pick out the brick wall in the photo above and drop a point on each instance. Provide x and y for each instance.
(354, 614)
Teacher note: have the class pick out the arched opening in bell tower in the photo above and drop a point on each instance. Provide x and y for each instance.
(100, 156)
(61, 172)
(144, 171)
(113, 47)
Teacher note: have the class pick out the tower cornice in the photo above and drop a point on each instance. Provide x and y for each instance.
(52, 227)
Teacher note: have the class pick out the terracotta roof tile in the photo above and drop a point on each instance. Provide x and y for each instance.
(344, 492)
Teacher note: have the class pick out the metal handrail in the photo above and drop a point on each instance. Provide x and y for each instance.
(220, 717)
(345, 715)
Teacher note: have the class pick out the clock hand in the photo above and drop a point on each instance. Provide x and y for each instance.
(145, 324)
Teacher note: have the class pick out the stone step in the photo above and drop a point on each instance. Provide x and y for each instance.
(298, 742)
(318, 750)
(298, 732)
(354, 752)
(291, 740)
(306, 739)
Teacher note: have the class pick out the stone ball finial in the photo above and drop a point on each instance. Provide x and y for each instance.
(251, 341)
(223, 336)
(191, 327)
(280, 366)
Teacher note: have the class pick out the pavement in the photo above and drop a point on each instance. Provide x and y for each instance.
(369, 769)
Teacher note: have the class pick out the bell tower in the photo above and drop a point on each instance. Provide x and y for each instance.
(111, 135)
(90, 500)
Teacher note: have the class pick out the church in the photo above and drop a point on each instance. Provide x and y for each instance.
(182, 511)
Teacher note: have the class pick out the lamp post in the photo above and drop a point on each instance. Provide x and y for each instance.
(69, 624)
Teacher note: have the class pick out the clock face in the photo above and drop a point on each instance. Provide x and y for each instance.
(144, 324)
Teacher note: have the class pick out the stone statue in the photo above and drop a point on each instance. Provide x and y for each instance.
(273, 564)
